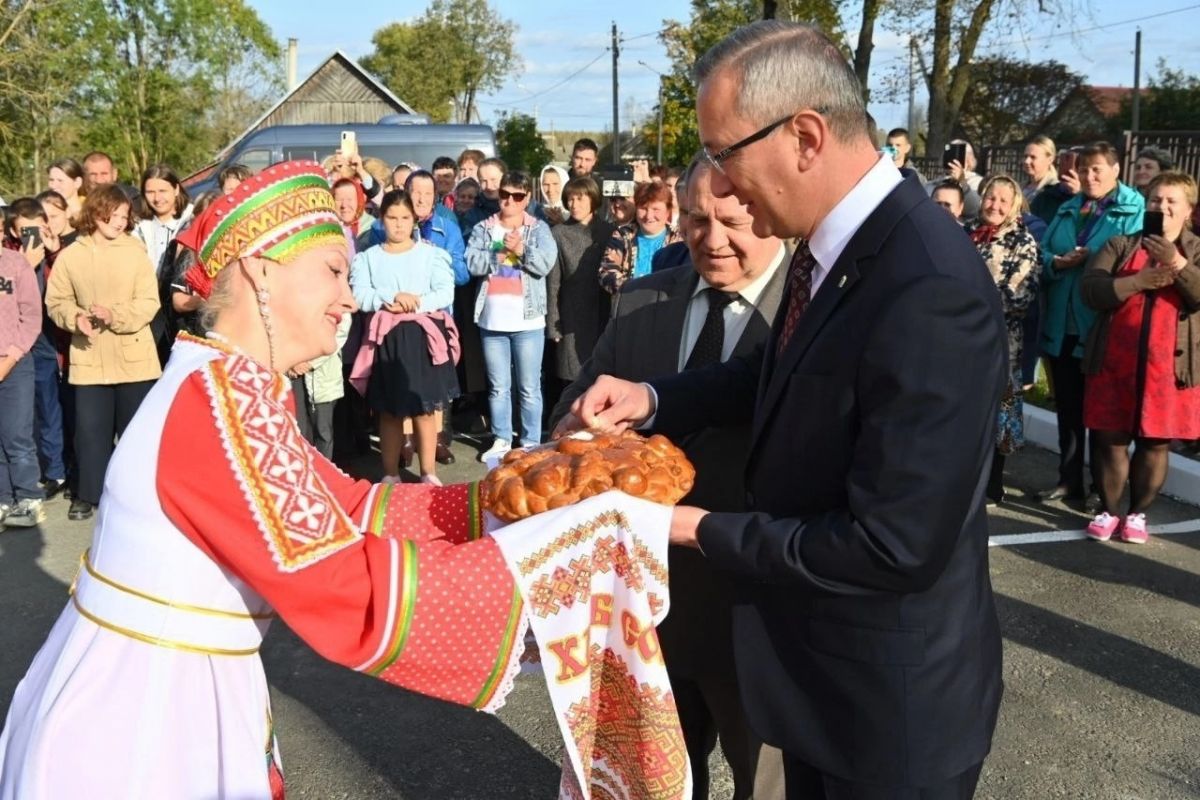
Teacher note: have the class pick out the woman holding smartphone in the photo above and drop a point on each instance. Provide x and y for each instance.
(1103, 208)
(104, 293)
(1143, 355)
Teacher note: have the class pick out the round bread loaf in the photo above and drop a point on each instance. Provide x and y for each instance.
(528, 482)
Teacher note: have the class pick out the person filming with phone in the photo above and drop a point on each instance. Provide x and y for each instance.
(104, 292)
(1102, 208)
(958, 158)
(1143, 354)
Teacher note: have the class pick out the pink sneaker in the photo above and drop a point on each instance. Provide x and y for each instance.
(1134, 529)
(1103, 527)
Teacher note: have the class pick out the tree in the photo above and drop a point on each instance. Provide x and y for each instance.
(455, 51)
(1010, 99)
(711, 21)
(1172, 103)
(402, 59)
(520, 144)
(154, 92)
(145, 80)
(952, 31)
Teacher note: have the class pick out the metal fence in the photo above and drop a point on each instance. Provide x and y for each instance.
(1184, 147)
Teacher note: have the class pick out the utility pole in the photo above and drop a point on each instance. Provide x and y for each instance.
(616, 147)
(912, 89)
(660, 120)
(661, 78)
(1137, 82)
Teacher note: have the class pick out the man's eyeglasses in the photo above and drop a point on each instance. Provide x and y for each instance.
(716, 159)
(505, 194)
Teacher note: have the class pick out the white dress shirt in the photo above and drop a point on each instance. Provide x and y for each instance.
(839, 226)
(832, 235)
(737, 314)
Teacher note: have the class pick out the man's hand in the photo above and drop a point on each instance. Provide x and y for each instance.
(514, 243)
(612, 405)
(7, 362)
(956, 171)
(84, 323)
(685, 521)
(102, 313)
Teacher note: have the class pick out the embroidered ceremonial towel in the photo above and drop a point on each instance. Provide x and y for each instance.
(594, 579)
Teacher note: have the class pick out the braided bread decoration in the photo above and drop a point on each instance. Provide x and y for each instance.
(528, 482)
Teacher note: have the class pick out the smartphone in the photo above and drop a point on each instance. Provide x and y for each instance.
(618, 188)
(1152, 223)
(349, 143)
(32, 237)
(1067, 160)
(955, 152)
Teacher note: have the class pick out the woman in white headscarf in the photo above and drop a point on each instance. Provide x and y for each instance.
(550, 190)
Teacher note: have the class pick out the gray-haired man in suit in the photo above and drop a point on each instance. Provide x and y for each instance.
(718, 305)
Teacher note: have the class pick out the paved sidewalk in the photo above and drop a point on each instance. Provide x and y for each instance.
(1102, 669)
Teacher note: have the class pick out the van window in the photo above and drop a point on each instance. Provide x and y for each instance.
(256, 160)
(392, 154)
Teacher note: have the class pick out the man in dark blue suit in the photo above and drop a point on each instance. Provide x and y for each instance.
(868, 647)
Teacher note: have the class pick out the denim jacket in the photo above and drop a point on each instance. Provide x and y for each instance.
(541, 252)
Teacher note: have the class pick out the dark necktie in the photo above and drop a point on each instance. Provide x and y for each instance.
(711, 341)
(800, 275)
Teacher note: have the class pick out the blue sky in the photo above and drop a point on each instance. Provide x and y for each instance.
(559, 39)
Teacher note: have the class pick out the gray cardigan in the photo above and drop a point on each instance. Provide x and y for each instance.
(574, 299)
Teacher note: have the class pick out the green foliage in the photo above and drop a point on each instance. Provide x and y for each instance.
(1171, 104)
(1010, 99)
(453, 52)
(711, 21)
(147, 81)
(404, 59)
(520, 144)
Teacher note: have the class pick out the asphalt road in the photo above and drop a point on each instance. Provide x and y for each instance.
(1102, 674)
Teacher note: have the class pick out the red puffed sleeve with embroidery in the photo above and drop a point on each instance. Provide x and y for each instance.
(394, 581)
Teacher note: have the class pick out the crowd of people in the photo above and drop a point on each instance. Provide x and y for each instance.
(516, 280)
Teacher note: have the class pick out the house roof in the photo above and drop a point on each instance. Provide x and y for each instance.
(349, 64)
(1108, 99)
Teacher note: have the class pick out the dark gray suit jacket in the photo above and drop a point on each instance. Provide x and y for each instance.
(641, 342)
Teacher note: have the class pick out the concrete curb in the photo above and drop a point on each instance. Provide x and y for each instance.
(1183, 476)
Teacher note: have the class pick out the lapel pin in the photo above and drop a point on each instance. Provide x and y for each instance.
(842, 282)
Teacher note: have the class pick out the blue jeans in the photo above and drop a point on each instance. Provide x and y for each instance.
(501, 352)
(49, 415)
(18, 455)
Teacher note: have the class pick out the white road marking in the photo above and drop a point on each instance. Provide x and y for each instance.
(1044, 537)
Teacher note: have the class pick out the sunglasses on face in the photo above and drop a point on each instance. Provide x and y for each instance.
(505, 194)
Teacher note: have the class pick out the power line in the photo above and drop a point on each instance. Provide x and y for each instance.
(1105, 26)
(639, 36)
(570, 77)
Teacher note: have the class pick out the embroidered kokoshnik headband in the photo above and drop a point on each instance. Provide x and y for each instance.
(285, 210)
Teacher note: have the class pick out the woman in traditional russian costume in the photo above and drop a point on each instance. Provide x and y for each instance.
(218, 516)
